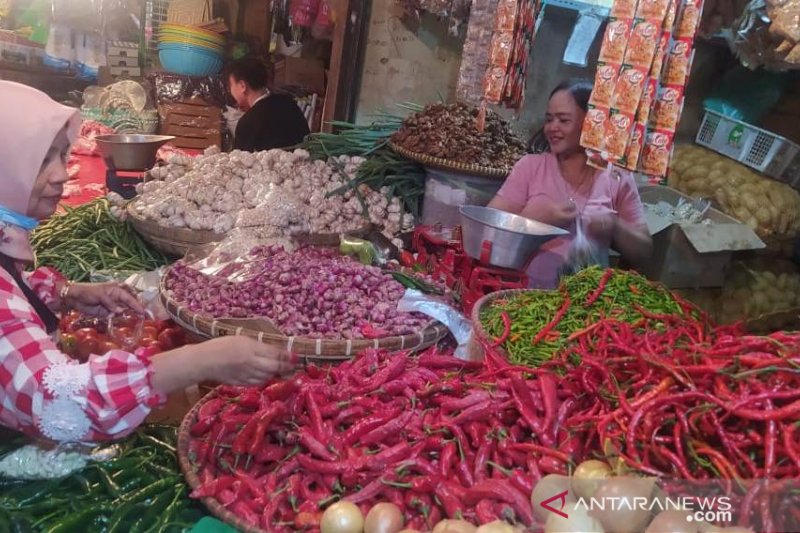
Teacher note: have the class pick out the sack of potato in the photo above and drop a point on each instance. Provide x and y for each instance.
(769, 207)
(763, 292)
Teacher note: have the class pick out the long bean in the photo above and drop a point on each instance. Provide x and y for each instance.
(87, 238)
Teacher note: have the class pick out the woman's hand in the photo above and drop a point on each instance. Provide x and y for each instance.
(240, 360)
(102, 299)
(234, 360)
(563, 214)
(602, 227)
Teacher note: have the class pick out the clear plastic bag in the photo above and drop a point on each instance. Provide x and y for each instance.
(414, 301)
(584, 251)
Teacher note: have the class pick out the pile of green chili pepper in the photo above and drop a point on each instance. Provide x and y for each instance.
(88, 238)
(534, 325)
(142, 489)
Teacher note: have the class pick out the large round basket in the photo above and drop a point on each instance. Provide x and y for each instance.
(310, 350)
(454, 166)
(330, 239)
(189, 472)
(175, 242)
(475, 348)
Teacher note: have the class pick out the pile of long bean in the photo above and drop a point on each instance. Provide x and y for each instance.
(87, 238)
(533, 326)
(142, 489)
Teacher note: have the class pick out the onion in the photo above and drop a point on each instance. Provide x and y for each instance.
(547, 487)
(498, 526)
(621, 514)
(342, 517)
(588, 477)
(578, 521)
(672, 522)
(384, 518)
(454, 526)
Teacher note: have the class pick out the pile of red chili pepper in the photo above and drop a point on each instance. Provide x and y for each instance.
(437, 436)
(673, 397)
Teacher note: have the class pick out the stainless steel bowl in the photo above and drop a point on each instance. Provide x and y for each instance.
(129, 151)
(503, 239)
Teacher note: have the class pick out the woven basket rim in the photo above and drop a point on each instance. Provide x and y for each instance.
(420, 340)
(189, 473)
(150, 228)
(446, 164)
(485, 301)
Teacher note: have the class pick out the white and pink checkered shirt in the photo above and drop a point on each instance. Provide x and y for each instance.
(44, 393)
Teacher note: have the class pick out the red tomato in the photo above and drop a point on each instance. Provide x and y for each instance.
(68, 343)
(161, 325)
(86, 347)
(86, 333)
(106, 346)
(149, 332)
(149, 348)
(172, 338)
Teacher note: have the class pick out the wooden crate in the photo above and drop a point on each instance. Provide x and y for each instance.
(193, 122)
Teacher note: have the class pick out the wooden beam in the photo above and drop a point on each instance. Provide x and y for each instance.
(341, 8)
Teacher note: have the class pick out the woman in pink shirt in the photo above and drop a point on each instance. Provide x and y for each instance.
(559, 188)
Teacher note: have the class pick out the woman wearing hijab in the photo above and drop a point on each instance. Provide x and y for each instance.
(42, 391)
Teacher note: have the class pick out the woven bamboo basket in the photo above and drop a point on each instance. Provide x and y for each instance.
(175, 242)
(330, 239)
(310, 350)
(454, 166)
(189, 472)
(475, 348)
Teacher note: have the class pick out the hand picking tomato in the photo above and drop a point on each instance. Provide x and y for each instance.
(149, 331)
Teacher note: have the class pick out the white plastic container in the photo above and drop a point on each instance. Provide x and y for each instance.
(446, 192)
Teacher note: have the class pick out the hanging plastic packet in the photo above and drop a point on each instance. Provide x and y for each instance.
(583, 35)
(416, 302)
(584, 251)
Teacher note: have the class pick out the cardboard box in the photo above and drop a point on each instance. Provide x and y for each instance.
(689, 255)
(193, 122)
(306, 73)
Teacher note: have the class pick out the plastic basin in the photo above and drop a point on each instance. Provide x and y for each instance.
(189, 60)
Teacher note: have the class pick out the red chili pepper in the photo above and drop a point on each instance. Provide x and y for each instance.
(264, 419)
(547, 385)
(484, 452)
(324, 467)
(484, 510)
(281, 390)
(393, 369)
(506, 330)
(481, 411)
(446, 459)
(446, 362)
(464, 473)
(317, 424)
(314, 446)
(390, 428)
(370, 491)
(450, 496)
(457, 404)
(245, 513)
(501, 490)
(366, 425)
(601, 286)
(553, 323)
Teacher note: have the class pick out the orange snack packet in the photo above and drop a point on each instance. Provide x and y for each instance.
(652, 9)
(667, 109)
(615, 40)
(646, 103)
(593, 132)
(604, 82)
(623, 9)
(635, 146)
(656, 152)
(676, 70)
(642, 44)
(618, 133)
(689, 19)
(629, 88)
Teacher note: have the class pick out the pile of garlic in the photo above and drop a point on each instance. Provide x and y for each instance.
(276, 188)
(769, 207)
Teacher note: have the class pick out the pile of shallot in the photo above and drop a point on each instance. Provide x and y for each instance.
(220, 191)
(311, 292)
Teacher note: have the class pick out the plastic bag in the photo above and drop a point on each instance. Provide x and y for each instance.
(367, 253)
(746, 95)
(584, 251)
(34, 462)
(414, 301)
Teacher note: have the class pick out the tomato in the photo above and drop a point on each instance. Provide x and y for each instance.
(86, 333)
(86, 347)
(149, 350)
(172, 338)
(150, 331)
(161, 325)
(68, 343)
(106, 346)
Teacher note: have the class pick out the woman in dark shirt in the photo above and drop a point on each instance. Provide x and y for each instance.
(271, 120)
